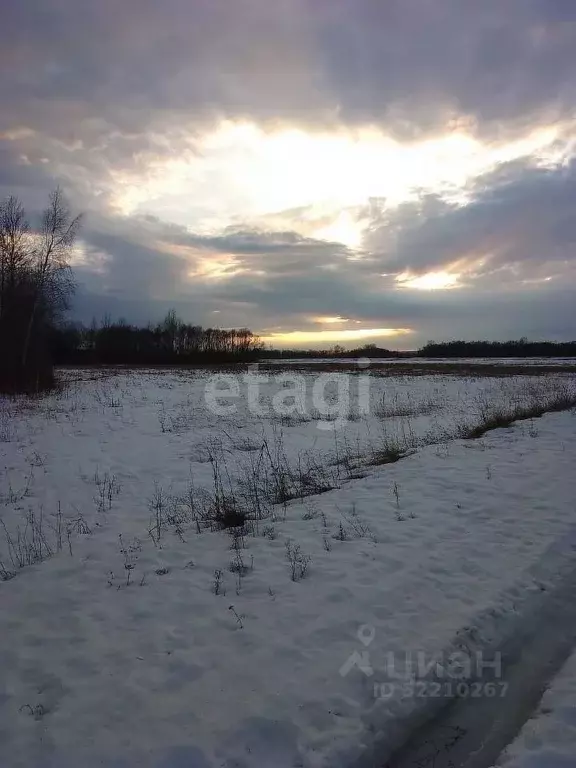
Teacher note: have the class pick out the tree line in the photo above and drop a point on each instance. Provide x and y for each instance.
(171, 341)
(337, 351)
(519, 348)
(444, 349)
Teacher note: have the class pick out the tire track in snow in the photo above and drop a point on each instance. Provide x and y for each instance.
(472, 732)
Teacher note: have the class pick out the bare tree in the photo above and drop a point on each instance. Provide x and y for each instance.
(52, 278)
(35, 286)
(14, 248)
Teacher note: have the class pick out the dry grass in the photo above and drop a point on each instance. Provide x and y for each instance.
(530, 404)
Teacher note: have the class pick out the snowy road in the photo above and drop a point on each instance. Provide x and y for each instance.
(473, 732)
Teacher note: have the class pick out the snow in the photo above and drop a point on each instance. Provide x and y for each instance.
(117, 651)
(548, 740)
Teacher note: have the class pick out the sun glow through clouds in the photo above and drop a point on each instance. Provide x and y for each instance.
(241, 172)
(302, 338)
(431, 281)
(326, 186)
(330, 320)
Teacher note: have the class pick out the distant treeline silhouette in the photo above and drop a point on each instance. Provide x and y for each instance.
(173, 342)
(368, 350)
(169, 342)
(520, 348)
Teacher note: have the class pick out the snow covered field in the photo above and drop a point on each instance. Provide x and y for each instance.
(202, 571)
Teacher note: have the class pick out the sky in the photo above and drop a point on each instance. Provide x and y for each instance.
(321, 171)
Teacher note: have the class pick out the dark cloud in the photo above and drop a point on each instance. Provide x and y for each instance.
(126, 63)
(409, 64)
(416, 62)
(143, 256)
(521, 217)
(20, 177)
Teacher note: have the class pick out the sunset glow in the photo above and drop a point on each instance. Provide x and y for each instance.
(302, 338)
(241, 170)
(431, 281)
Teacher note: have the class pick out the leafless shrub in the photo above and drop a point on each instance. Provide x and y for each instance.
(37, 460)
(107, 489)
(238, 539)
(237, 616)
(349, 456)
(79, 525)
(225, 509)
(313, 477)
(276, 472)
(269, 532)
(237, 564)
(253, 487)
(157, 506)
(106, 396)
(311, 512)
(7, 427)
(271, 479)
(298, 562)
(15, 495)
(37, 712)
(218, 584)
(179, 422)
(341, 534)
(396, 492)
(356, 525)
(225, 513)
(216, 509)
(29, 544)
(5, 573)
(199, 454)
(129, 551)
(409, 406)
(193, 505)
(163, 419)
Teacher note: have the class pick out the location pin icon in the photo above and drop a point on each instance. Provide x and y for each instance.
(366, 633)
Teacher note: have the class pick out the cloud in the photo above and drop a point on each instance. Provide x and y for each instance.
(278, 290)
(520, 222)
(418, 62)
(409, 63)
(123, 104)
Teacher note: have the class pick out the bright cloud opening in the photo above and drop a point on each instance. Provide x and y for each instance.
(330, 320)
(302, 338)
(431, 281)
(241, 172)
